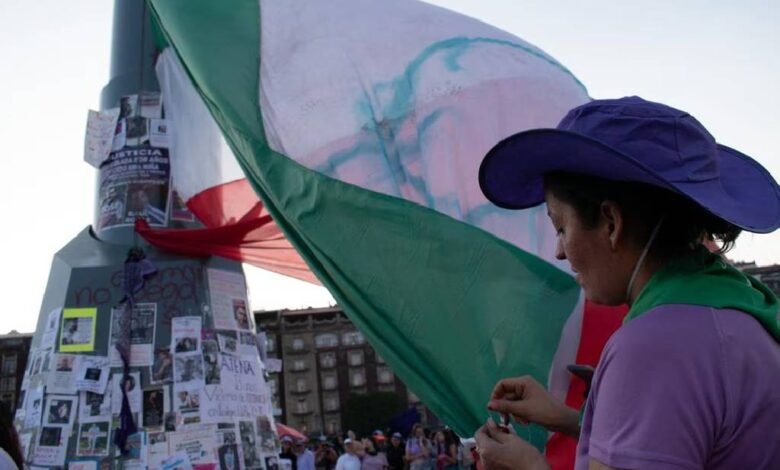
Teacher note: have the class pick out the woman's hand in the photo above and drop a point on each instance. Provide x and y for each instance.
(500, 450)
(527, 401)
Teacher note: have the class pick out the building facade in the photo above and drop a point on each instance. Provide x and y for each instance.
(14, 349)
(769, 275)
(325, 359)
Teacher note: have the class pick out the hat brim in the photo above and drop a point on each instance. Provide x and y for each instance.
(512, 176)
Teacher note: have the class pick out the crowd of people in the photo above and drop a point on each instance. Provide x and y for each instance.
(423, 449)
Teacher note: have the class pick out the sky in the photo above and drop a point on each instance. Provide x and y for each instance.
(718, 60)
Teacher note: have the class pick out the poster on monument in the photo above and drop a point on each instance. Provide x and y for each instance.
(242, 393)
(198, 442)
(94, 406)
(49, 337)
(142, 330)
(92, 373)
(99, 138)
(157, 449)
(62, 378)
(94, 438)
(60, 410)
(186, 405)
(78, 330)
(34, 407)
(132, 387)
(228, 300)
(134, 183)
(155, 404)
(52, 446)
(185, 334)
(162, 368)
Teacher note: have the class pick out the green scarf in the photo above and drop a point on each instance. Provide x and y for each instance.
(706, 279)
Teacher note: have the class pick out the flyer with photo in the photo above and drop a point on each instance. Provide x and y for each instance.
(94, 438)
(227, 291)
(62, 378)
(142, 331)
(60, 410)
(132, 387)
(78, 330)
(92, 373)
(94, 406)
(185, 334)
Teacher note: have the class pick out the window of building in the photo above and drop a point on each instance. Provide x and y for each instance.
(302, 406)
(9, 364)
(355, 358)
(333, 427)
(357, 378)
(326, 340)
(301, 385)
(380, 359)
(331, 403)
(298, 344)
(8, 384)
(329, 382)
(328, 360)
(353, 338)
(272, 386)
(384, 375)
(299, 364)
(270, 344)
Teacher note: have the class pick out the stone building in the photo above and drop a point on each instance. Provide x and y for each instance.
(325, 359)
(14, 349)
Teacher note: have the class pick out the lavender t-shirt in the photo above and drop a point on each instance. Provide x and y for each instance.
(685, 387)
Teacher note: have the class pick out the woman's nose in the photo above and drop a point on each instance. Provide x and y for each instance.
(559, 252)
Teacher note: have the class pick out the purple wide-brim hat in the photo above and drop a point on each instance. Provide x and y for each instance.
(633, 140)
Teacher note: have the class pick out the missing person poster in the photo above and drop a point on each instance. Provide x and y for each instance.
(155, 404)
(185, 334)
(52, 446)
(199, 442)
(134, 183)
(228, 300)
(92, 373)
(132, 387)
(94, 439)
(78, 330)
(142, 331)
(62, 378)
(94, 406)
(49, 338)
(60, 410)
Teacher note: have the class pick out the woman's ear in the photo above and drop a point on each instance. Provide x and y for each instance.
(612, 222)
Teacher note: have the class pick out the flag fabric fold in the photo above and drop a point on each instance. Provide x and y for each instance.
(361, 125)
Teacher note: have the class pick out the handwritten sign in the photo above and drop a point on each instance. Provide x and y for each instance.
(241, 394)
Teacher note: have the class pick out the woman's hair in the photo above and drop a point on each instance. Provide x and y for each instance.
(9, 440)
(685, 224)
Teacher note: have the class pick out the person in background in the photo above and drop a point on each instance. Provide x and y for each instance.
(395, 452)
(325, 458)
(417, 449)
(287, 452)
(350, 460)
(446, 450)
(305, 457)
(373, 459)
(10, 448)
(378, 438)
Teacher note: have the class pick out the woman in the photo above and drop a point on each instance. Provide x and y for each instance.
(446, 450)
(691, 379)
(373, 459)
(417, 448)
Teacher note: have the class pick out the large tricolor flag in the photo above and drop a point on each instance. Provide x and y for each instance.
(361, 125)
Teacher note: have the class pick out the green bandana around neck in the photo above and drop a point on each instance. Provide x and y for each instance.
(705, 279)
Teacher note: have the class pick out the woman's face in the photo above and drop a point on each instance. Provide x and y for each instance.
(418, 432)
(439, 436)
(601, 269)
